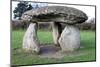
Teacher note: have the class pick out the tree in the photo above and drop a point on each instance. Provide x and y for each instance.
(37, 6)
(30, 7)
(21, 8)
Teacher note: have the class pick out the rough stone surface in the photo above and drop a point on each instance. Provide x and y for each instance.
(56, 32)
(62, 14)
(30, 41)
(70, 38)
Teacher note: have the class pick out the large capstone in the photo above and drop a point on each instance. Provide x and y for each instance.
(30, 40)
(62, 14)
(70, 38)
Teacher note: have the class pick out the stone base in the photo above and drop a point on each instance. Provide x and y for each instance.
(56, 29)
(70, 38)
(30, 40)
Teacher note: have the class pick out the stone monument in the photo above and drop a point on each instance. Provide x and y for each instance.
(68, 39)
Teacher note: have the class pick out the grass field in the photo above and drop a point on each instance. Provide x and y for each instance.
(21, 58)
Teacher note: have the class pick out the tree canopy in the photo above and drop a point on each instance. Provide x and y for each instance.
(21, 8)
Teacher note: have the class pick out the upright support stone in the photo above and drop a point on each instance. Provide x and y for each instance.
(70, 38)
(56, 27)
(30, 40)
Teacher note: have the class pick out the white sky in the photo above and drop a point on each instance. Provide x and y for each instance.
(89, 10)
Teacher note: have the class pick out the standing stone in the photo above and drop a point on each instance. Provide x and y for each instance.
(30, 40)
(56, 28)
(70, 38)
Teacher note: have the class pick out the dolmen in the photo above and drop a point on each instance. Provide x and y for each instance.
(68, 38)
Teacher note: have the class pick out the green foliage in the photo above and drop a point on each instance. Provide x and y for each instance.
(21, 8)
(19, 57)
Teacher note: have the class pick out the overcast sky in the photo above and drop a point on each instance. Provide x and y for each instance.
(89, 10)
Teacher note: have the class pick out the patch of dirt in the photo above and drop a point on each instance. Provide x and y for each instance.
(52, 51)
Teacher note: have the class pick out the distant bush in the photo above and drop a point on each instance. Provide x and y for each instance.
(86, 26)
(18, 24)
(89, 25)
(44, 26)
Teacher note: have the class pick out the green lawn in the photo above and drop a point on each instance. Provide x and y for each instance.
(19, 57)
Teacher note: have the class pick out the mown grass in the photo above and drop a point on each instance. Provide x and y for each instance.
(19, 57)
